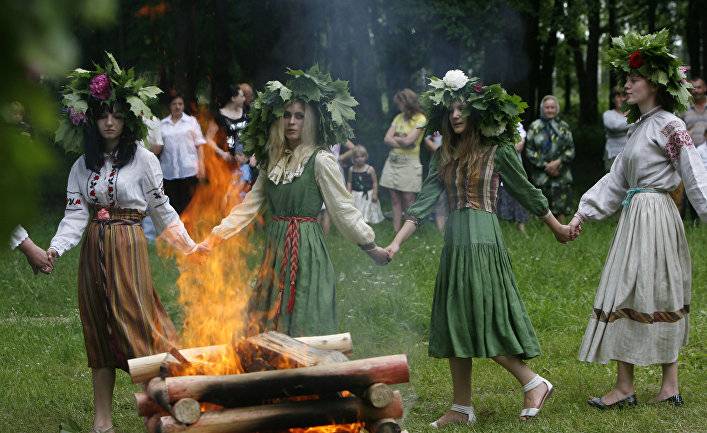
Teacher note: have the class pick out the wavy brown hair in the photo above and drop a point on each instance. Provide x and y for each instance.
(460, 153)
(409, 101)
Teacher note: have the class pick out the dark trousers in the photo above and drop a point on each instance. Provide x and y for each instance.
(180, 191)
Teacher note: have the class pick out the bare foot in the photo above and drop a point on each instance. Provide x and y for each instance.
(664, 393)
(533, 398)
(451, 417)
(615, 395)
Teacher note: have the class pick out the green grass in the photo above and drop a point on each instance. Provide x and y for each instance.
(44, 380)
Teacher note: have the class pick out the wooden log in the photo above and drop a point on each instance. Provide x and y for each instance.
(253, 388)
(152, 424)
(285, 415)
(378, 395)
(386, 425)
(186, 411)
(280, 351)
(147, 406)
(145, 368)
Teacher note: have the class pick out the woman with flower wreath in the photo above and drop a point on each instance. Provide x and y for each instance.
(642, 303)
(291, 131)
(477, 310)
(111, 187)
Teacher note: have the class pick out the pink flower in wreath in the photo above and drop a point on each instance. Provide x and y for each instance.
(100, 87)
(635, 60)
(76, 117)
(478, 87)
(103, 215)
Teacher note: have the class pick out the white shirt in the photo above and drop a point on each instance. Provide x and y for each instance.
(137, 185)
(659, 154)
(17, 237)
(702, 150)
(337, 199)
(616, 128)
(180, 156)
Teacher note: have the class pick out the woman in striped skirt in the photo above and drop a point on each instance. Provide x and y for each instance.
(111, 187)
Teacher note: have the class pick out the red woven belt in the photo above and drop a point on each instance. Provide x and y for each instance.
(291, 255)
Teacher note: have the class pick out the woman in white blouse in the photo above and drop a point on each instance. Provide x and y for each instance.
(295, 291)
(181, 157)
(616, 128)
(641, 309)
(110, 189)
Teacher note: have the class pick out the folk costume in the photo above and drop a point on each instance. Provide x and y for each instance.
(121, 314)
(641, 309)
(477, 309)
(295, 290)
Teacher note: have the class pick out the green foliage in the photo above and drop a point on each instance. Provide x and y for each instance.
(330, 99)
(77, 99)
(657, 64)
(498, 112)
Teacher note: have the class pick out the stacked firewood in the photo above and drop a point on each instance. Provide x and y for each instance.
(282, 383)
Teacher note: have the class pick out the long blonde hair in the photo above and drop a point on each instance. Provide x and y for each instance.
(465, 148)
(277, 144)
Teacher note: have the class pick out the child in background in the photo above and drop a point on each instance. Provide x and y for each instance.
(362, 182)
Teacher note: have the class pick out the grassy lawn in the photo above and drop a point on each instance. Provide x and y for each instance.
(44, 379)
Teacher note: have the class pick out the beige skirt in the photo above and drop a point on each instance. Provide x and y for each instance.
(402, 173)
(641, 308)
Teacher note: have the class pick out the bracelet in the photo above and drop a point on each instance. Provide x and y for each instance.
(368, 247)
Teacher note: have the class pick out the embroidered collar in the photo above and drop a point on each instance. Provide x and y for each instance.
(649, 114)
(291, 165)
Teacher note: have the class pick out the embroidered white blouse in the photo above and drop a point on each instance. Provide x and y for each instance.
(338, 201)
(659, 154)
(137, 185)
(180, 155)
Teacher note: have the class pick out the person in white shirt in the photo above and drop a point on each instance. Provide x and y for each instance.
(616, 128)
(181, 156)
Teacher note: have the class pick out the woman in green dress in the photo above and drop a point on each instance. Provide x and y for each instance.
(291, 130)
(477, 311)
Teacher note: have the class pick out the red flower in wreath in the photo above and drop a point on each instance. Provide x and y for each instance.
(478, 87)
(635, 60)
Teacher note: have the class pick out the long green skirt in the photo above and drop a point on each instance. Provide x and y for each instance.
(477, 310)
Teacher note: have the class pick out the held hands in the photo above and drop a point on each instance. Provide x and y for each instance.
(379, 256)
(576, 226)
(38, 259)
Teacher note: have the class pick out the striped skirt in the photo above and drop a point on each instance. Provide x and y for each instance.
(121, 314)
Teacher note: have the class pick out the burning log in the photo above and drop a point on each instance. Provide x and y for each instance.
(186, 411)
(145, 368)
(285, 416)
(378, 395)
(244, 389)
(281, 351)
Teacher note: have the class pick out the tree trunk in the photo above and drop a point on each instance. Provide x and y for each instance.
(285, 416)
(532, 39)
(651, 14)
(586, 70)
(253, 388)
(547, 65)
(613, 31)
(703, 33)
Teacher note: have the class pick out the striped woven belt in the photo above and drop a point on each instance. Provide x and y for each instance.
(291, 255)
(633, 191)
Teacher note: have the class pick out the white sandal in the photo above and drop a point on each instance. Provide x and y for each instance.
(535, 382)
(465, 410)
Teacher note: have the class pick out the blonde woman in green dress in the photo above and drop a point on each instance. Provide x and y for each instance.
(477, 310)
(295, 292)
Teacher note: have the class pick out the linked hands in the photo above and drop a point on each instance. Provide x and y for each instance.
(379, 256)
(39, 260)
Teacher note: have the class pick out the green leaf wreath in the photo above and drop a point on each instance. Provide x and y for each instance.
(331, 98)
(89, 91)
(498, 112)
(650, 57)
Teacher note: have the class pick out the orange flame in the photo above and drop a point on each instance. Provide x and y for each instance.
(338, 428)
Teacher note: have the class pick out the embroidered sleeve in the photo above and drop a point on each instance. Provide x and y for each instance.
(674, 137)
(243, 213)
(605, 197)
(76, 213)
(163, 215)
(339, 202)
(17, 237)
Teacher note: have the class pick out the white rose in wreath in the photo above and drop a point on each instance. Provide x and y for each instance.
(455, 79)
